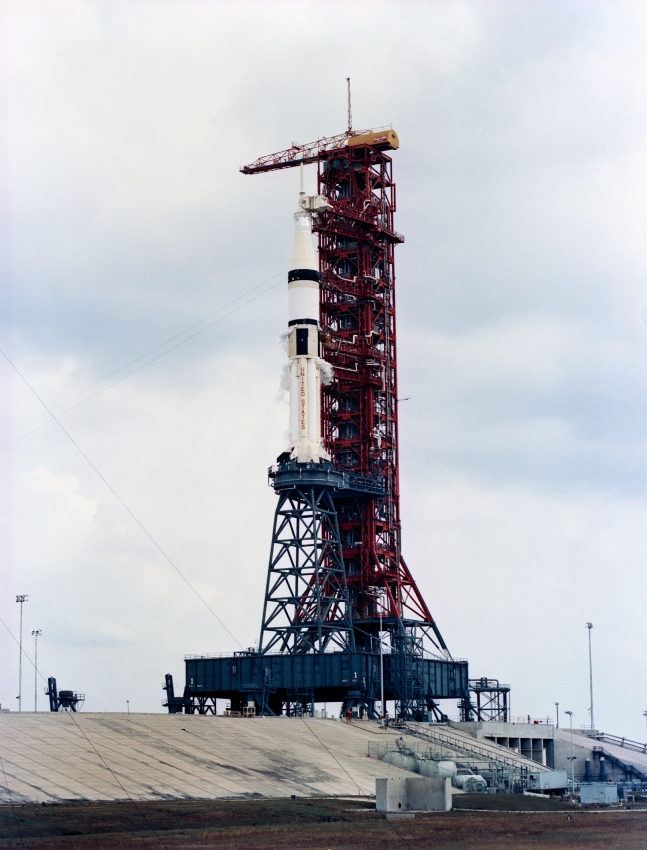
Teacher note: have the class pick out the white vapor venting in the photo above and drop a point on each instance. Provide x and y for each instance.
(325, 370)
(285, 378)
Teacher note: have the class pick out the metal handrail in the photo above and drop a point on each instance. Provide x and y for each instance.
(627, 743)
(527, 720)
(249, 652)
(474, 749)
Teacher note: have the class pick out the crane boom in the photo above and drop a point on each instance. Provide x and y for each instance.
(382, 138)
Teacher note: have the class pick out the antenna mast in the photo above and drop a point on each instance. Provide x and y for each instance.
(350, 114)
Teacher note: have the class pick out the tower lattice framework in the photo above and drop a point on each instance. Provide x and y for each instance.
(336, 577)
(306, 599)
(360, 408)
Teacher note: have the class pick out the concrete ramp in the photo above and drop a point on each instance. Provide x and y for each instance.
(57, 757)
(624, 763)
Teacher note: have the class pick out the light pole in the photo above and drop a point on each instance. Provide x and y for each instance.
(378, 594)
(21, 598)
(645, 716)
(383, 712)
(572, 757)
(127, 706)
(36, 633)
(557, 710)
(589, 626)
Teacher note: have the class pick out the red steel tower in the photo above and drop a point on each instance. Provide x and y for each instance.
(360, 407)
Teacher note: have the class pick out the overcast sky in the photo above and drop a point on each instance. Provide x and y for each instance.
(522, 193)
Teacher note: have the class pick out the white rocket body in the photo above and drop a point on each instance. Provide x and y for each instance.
(303, 339)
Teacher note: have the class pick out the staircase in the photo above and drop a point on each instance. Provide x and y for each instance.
(465, 744)
(629, 768)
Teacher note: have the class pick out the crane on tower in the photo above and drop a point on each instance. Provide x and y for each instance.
(382, 139)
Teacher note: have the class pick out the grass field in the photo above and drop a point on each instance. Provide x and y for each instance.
(319, 824)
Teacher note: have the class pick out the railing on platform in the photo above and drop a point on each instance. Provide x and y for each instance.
(475, 750)
(254, 651)
(534, 721)
(627, 743)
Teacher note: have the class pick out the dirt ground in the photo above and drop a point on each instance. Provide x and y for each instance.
(319, 824)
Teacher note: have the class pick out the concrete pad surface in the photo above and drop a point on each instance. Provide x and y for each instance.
(50, 757)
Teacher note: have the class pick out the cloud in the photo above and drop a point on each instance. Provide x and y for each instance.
(521, 331)
(503, 566)
(535, 401)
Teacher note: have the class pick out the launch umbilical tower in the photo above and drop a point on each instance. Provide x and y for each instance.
(337, 580)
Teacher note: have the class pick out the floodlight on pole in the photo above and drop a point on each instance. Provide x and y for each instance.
(589, 626)
(36, 633)
(645, 716)
(378, 593)
(557, 714)
(21, 598)
(383, 709)
(572, 758)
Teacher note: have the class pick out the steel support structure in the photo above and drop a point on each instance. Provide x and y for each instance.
(408, 676)
(306, 605)
(336, 576)
(491, 701)
(63, 700)
(360, 407)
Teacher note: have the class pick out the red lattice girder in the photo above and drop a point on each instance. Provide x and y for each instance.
(360, 407)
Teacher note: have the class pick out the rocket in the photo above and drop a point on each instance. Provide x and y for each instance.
(303, 336)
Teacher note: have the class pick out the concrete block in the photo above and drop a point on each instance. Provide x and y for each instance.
(416, 793)
(390, 795)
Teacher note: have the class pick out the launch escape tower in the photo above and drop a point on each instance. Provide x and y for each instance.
(337, 581)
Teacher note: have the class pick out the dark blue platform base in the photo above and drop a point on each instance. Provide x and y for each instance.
(293, 684)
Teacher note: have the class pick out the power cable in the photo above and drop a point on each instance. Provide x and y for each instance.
(119, 499)
(117, 780)
(361, 794)
(152, 360)
(13, 808)
(24, 652)
(397, 832)
(332, 756)
(157, 347)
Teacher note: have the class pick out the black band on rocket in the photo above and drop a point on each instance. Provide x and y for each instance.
(302, 274)
(303, 322)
